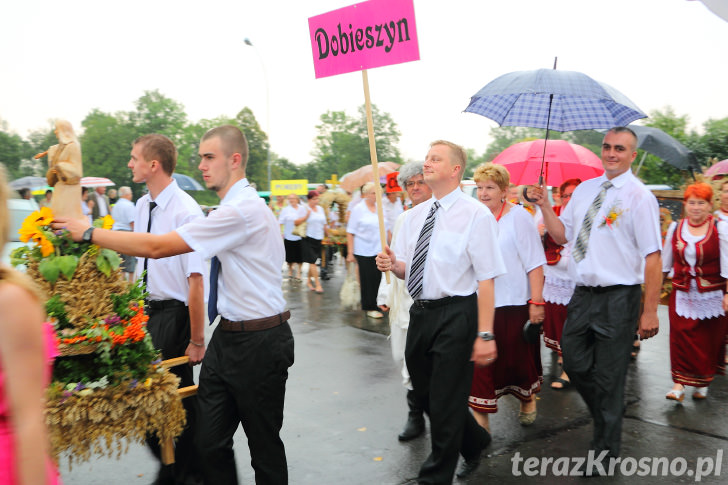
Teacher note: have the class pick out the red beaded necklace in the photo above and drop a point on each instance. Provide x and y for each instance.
(698, 225)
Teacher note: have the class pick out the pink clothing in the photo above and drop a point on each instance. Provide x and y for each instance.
(7, 442)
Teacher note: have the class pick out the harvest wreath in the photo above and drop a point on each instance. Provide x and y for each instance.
(107, 382)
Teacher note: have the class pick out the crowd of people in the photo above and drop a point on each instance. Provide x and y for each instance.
(470, 275)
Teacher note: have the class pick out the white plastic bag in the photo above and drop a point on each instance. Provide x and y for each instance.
(349, 294)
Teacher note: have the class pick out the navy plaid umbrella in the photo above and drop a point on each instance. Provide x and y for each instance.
(553, 99)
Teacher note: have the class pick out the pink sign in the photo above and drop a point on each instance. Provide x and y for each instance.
(363, 36)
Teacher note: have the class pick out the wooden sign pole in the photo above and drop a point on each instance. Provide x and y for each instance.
(375, 165)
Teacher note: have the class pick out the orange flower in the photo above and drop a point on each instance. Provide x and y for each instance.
(46, 247)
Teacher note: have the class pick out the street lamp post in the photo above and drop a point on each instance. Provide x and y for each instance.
(267, 105)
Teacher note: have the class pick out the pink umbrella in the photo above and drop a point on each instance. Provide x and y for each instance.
(96, 182)
(564, 161)
(719, 168)
(353, 180)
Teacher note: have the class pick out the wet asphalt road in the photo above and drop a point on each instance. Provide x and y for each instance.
(345, 406)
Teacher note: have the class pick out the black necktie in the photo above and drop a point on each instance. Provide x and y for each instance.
(212, 300)
(152, 205)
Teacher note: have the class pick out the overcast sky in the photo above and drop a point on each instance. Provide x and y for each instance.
(62, 59)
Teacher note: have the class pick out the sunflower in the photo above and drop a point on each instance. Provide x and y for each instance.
(108, 221)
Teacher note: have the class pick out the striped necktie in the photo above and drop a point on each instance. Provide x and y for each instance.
(417, 270)
(582, 240)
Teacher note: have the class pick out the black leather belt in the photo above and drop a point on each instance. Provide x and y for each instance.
(158, 305)
(256, 324)
(603, 289)
(440, 302)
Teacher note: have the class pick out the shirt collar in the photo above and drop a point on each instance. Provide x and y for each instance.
(165, 196)
(448, 201)
(619, 180)
(236, 189)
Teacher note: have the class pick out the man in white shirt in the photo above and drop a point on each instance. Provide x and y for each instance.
(395, 298)
(123, 215)
(175, 304)
(243, 376)
(451, 326)
(612, 225)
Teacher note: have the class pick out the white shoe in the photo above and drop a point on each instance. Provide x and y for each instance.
(700, 392)
(375, 314)
(676, 395)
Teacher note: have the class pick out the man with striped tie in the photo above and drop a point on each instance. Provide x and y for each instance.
(612, 223)
(447, 253)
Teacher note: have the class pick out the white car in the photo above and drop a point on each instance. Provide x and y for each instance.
(19, 209)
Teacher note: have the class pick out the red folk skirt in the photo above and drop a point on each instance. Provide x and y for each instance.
(553, 325)
(697, 348)
(516, 371)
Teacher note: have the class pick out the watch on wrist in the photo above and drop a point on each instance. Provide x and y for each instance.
(486, 336)
(87, 234)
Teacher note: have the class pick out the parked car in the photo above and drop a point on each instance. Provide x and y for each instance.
(19, 209)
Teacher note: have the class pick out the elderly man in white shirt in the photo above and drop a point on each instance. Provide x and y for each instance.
(123, 215)
(447, 252)
(244, 373)
(612, 225)
(395, 298)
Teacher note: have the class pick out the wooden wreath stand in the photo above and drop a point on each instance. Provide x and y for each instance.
(167, 446)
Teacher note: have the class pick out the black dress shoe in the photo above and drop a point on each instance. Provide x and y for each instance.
(468, 467)
(414, 427)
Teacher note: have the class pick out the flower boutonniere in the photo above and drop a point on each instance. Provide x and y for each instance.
(612, 217)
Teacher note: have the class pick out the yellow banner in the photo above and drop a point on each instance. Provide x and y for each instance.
(285, 187)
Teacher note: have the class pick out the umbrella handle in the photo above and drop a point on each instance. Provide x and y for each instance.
(525, 191)
(525, 196)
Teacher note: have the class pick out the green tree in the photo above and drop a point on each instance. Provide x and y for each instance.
(258, 146)
(342, 144)
(15, 153)
(105, 146)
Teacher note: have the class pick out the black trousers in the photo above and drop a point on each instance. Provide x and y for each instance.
(369, 279)
(439, 345)
(169, 327)
(243, 381)
(596, 344)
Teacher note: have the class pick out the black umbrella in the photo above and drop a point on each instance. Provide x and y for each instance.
(664, 146)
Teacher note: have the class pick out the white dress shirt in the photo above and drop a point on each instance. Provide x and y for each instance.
(364, 225)
(693, 303)
(463, 248)
(616, 252)
(167, 277)
(315, 223)
(123, 215)
(243, 233)
(287, 216)
(522, 252)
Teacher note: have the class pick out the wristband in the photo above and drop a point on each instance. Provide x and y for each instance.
(536, 303)
(196, 344)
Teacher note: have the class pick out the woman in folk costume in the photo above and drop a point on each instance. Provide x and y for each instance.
(558, 287)
(696, 249)
(518, 298)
